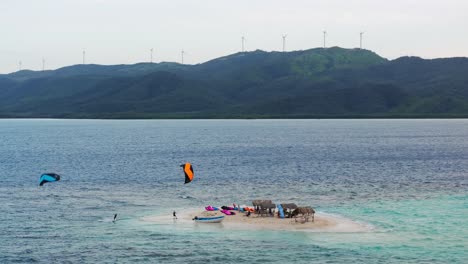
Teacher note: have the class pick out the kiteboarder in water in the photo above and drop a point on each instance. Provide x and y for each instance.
(115, 218)
(174, 216)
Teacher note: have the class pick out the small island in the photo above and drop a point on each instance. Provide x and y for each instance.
(263, 216)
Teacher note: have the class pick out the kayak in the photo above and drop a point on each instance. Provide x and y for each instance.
(211, 208)
(227, 212)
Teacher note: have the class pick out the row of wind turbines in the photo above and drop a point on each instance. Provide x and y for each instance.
(182, 53)
(324, 40)
(243, 39)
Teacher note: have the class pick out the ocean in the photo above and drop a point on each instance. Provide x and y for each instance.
(406, 180)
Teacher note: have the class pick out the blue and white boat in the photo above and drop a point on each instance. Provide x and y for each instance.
(209, 219)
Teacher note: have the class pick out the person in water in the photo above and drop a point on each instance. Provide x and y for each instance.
(174, 216)
(115, 218)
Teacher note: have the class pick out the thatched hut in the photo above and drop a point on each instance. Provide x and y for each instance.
(263, 207)
(305, 211)
(268, 205)
(260, 202)
(288, 208)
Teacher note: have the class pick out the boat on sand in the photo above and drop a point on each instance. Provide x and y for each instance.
(208, 219)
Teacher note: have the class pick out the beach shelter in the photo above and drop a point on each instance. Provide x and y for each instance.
(305, 211)
(260, 202)
(263, 207)
(268, 205)
(288, 208)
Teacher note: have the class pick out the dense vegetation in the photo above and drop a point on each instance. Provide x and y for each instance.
(332, 82)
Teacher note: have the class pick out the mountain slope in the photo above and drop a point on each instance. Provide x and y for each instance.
(331, 82)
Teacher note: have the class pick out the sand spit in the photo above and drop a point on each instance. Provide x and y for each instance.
(323, 222)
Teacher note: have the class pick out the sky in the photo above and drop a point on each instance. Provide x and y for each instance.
(124, 31)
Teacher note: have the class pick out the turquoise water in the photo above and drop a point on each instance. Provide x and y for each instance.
(405, 179)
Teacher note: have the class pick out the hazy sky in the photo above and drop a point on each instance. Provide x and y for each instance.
(124, 31)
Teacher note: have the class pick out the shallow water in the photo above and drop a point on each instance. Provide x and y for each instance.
(408, 179)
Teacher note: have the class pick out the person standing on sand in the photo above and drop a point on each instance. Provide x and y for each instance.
(174, 216)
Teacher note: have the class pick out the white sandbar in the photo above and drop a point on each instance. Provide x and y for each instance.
(322, 222)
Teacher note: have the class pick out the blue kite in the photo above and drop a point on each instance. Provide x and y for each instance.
(48, 177)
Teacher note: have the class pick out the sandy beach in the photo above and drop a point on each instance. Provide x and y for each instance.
(322, 223)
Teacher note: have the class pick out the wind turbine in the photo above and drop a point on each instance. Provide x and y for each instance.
(324, 38)
(243, 40)
(43, 64)
(20, 64)
(284, 42)
(84, 56)
(182, 56)
(360, 39)
(151, 56)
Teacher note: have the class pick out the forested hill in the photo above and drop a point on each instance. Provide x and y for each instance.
(332, 82)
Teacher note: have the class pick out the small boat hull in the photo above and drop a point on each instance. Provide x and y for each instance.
(209, 219)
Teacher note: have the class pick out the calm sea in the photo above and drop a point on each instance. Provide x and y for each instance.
(407, 179)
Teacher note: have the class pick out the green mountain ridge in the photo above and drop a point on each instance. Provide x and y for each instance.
(332, 82)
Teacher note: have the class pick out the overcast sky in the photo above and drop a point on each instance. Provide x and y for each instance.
(124, 31)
